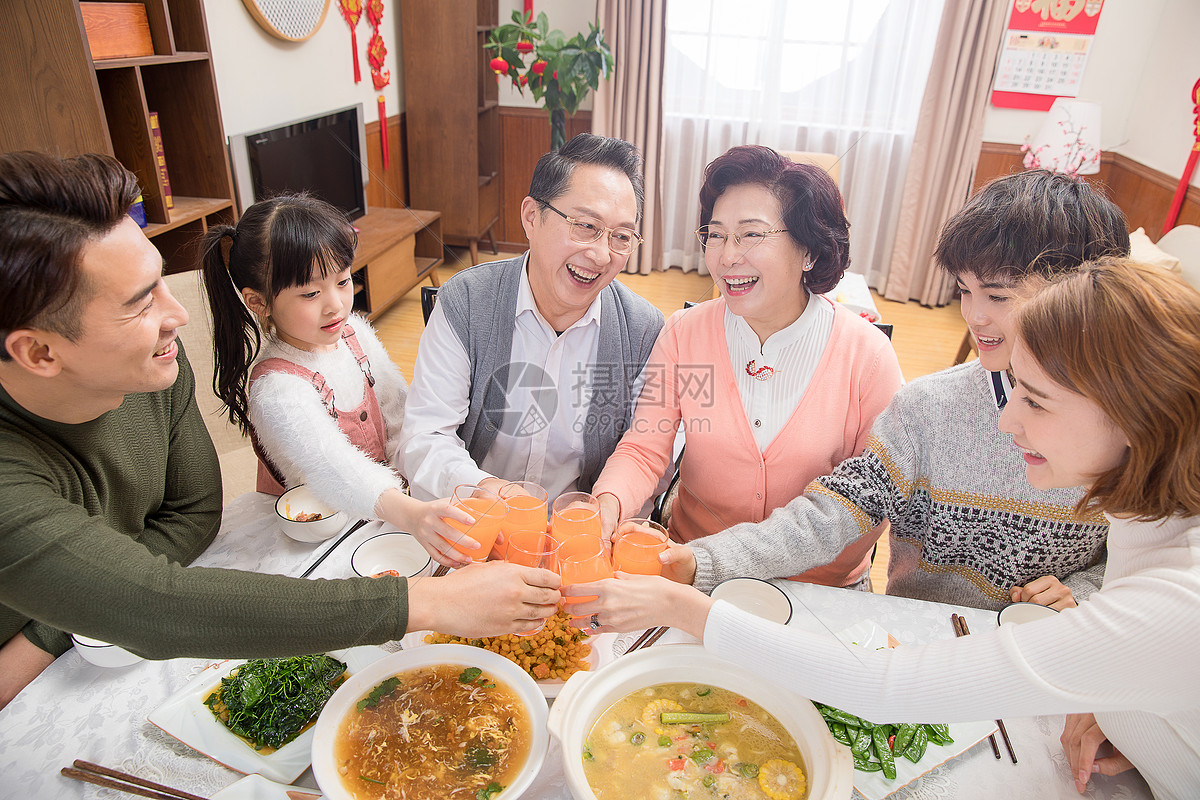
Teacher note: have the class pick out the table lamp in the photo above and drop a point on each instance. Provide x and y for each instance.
(1069, 139)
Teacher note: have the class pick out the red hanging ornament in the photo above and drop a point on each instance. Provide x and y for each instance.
(376, 53)
(1185, 180)
(351, 11)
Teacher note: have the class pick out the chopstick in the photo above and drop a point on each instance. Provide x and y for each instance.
(332, 547)
(648, 638)
(961, 629)
(103, 776)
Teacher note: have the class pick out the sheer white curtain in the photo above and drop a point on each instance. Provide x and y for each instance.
(843, 78)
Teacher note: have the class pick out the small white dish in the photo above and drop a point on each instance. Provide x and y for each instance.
(1024, 612)
(396, 552)
(185, 717)
(103, 654)
(256, 787)
(299, 500)
(758, 597)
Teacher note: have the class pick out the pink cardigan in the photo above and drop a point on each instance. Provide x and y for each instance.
(724, 478)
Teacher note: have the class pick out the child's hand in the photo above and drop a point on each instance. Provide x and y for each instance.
(436, 535)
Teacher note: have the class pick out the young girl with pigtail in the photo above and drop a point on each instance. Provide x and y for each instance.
(305, 376)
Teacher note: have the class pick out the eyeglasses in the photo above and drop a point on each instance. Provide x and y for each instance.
(622, 241)
(744, 240)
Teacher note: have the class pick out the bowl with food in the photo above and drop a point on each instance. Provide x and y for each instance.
(303, 517)
(675, 719)
(391, 553)
(473, 721)
(103, 654)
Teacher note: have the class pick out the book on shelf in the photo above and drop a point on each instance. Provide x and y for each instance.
(160, 160)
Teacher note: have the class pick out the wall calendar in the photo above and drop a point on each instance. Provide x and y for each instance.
(1045, 52)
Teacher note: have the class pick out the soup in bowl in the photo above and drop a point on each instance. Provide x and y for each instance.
(747, 735)
(424, 723)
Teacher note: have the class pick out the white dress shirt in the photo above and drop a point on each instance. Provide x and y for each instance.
(793, 353)
(546, 447)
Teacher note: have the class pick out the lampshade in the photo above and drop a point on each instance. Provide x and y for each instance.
(1069, 139)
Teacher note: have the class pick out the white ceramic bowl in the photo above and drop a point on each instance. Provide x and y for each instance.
(1017, 613)
(324, 765)
(298, 500)
(587, 695)
(397, 551)
(103, 654)
(756, 597)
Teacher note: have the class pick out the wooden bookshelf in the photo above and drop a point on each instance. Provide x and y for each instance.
(451, 105)
(59, 100)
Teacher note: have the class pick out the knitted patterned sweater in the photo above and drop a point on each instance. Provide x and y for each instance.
(966, 525)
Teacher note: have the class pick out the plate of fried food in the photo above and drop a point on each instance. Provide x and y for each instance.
(256, 716)
(550, 656)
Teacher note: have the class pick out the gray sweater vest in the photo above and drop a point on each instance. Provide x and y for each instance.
(481, 303)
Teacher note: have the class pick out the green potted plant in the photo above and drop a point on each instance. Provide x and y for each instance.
(559, 71)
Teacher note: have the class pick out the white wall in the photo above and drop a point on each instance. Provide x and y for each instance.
(569, 16)
(263, 81)
(1143, 64)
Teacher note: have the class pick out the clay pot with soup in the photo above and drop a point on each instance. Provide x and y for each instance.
(675, 718)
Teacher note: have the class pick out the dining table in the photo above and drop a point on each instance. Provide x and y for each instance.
(75, 710)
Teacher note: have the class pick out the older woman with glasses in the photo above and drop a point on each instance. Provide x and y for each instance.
(773, 383)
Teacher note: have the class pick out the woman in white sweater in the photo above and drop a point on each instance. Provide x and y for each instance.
(1108, 396)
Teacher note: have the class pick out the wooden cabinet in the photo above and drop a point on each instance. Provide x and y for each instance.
(58, 100)
(452, 116)
(397, 249)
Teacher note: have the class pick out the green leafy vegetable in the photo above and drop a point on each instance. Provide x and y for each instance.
(489, 791)
(479, 757)
(470, 675)
(378, 693)
(269, 701)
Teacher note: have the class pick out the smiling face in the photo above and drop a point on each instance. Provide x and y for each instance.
(128, 328)
(761, 279)
(310, 317)
(1067, 440)
(567, 276)
(989, 309)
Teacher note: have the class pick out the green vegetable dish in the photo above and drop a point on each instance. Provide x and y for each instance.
(875, 748)
(270, 701)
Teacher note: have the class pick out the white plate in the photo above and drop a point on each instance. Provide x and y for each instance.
(597, 658)
(185, 717)
(256, 787)
(872, 785)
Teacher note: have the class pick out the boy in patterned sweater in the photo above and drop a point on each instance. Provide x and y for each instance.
(966, 526)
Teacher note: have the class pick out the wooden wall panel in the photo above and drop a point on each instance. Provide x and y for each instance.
(524, 137)
(1144, 194)
(387, 189)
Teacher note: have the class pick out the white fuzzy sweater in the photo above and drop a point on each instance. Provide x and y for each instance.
(304, 441)
(1126, 654)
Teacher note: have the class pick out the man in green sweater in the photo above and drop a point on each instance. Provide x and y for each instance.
(109, 483)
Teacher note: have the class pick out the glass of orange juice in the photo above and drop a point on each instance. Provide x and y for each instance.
(573, 514)
(531, 548)
(582, 559)
(636, 546)
(489, 511)
(528, 505)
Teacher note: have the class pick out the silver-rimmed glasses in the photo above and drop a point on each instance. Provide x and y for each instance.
(622, 241)
(749, 237)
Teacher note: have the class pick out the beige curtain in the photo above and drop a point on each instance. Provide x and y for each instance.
(629, 104)
(946, 146)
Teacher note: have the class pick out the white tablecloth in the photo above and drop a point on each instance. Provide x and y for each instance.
(76, 710)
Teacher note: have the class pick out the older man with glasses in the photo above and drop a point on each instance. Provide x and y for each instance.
(528, 368)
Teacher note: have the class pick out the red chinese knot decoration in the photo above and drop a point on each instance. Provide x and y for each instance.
(351, 11)
(376, 54)
(1186, 179)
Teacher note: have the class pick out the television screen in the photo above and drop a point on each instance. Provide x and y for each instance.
(322, 155)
